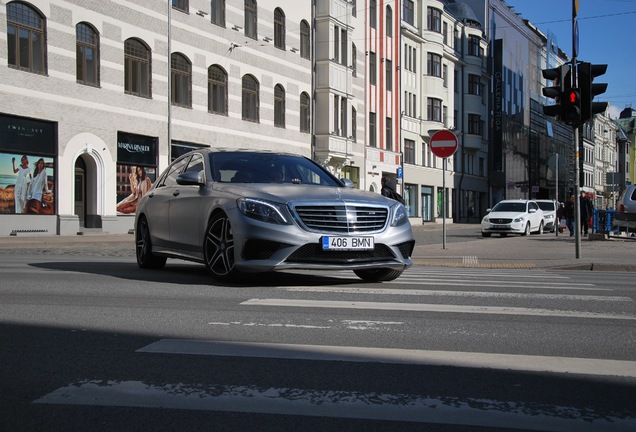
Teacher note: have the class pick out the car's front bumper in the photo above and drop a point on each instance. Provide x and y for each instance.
(509, 228)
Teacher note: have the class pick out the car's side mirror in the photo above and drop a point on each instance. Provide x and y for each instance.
(347, 183)
(488, 210)
(191, 178)
(532, 210)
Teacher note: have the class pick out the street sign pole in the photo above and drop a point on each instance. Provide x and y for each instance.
(443, 144)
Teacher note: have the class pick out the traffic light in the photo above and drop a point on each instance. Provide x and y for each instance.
(572, 107)
(586, 74)
(562, 81)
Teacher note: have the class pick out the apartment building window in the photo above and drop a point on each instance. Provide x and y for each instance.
(388, 129)
(304, 40)
(389, 21)
(354, 60)
(434, 64)
(181, 80)
(409, 151)
(474, 84)
(389, 74)
(445, 115)
(372, 132)
(217, 12)
(344, 44)
(343, 116)
(137, 68)
(279, 28)
(482, 163)
(26, 38)
(372, 79)
(434, 109)
(181, 5)
(335, 115)
(408, 12)
(336, 44)
(410, 58)
(474, 46)
(354, 12)
(279, 106)
(372, 14)
(250, 99)
(354, 124)
(445, 32)
(251, 19)
(445, 75)
(475, 125)
(305, 125)
(217, 90)
(87, 60)
(434, 19)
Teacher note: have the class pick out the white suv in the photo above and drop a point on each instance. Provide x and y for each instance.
(513, 217)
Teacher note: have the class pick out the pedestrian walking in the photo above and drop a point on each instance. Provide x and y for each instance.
(587, 211)
(569, 214)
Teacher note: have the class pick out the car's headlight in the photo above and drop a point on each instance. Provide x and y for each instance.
(550, 216)
(399, 215)
(485, 220)
(264, 211)
(519, 219)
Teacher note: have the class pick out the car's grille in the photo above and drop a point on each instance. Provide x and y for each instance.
(345, 219)
(500, 221)
(313, 253)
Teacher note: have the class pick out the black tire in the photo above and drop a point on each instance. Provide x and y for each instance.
(218, 249)
(378, 275)
(503, 235)
(527, 230)
(485, 234)
(143, 247)
(541, 228)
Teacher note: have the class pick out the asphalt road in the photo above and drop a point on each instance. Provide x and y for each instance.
(91, 342)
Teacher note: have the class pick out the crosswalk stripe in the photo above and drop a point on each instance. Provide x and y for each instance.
(333, 403)
(442, 293)
(421, 307)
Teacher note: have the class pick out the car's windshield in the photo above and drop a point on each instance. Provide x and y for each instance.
(510, 207)
(254, 167)
(548, 206)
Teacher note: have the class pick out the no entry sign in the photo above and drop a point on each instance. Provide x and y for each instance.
(443, 143)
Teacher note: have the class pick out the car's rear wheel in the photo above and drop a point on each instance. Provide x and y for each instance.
(143, 247)
(378, 275)
(527, 230)
(218, 248)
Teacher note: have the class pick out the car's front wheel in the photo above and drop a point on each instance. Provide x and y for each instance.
(218, 248)
(485, 234)
(527, 230)
(378, 275)
(143, 247)
(541, 228)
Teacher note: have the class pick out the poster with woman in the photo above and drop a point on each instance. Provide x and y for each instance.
(133, 183)
(26, 184)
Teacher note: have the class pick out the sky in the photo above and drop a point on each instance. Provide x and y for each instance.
(607, 35)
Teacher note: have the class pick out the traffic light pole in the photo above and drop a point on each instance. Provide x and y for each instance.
(575, 128)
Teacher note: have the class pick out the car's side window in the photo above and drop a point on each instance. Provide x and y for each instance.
(195, 164)
(175, 170)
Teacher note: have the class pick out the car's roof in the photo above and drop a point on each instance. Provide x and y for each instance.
(515, 200)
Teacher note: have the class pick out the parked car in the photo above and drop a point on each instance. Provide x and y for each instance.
(549, 208)
(513, 217)
(243, 212)
(625, 217)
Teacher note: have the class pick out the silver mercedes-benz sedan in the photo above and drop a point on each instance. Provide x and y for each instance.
(249, 211)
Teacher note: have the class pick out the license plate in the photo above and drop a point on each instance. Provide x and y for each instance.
(347, 243)
(500, 226)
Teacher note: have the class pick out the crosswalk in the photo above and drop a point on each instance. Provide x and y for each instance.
(456, 292)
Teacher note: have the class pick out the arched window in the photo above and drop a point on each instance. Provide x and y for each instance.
(181, 80)
(251, 19)
(87, 40)
(250, 98)
(217, 90)
(26, 38)
(305, 125)
(137, 68)
(279, 28)
(279, 106)
(389, 21)
(304, 40)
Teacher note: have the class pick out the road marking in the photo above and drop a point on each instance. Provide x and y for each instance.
(514, 362)
(350, 324)
(470, 260)
(423, 307)
(335, 404)
(481, 294)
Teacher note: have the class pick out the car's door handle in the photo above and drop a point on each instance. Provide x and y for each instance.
(176, 192)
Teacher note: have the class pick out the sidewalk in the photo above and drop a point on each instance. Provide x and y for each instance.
(464, 248)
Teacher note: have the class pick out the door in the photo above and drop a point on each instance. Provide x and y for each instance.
(80, 191)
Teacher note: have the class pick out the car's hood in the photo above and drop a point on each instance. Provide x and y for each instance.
(285, 193)
(505, 215)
